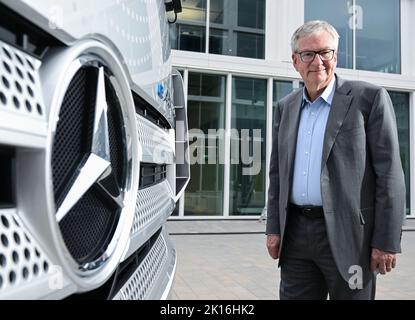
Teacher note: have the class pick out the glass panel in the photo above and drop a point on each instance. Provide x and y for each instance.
(190, 38)
(250, 45)
(400, 102)
(189, 32)
(206, 114)
(279, 90)
(219, 42)
(251, 13)
(335, 12)
(229, 33)
(193, 10)
(378, 36)
(217, 10)
(247, 168)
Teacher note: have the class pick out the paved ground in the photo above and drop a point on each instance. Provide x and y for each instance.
(228, 260)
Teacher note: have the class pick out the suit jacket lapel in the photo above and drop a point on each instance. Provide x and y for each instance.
(294, 109)
(338, 111)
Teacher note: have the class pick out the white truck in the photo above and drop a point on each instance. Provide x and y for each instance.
(93, 149)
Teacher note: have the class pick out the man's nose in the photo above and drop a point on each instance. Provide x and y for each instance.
(317, 60)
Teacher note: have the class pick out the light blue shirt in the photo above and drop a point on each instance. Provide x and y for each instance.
(307, 164)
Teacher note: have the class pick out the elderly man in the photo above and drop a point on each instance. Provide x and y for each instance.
(337, 192)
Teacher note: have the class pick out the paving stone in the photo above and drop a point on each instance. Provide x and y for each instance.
(237, 266)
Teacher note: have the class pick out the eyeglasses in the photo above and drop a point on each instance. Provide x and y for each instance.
(308, 56)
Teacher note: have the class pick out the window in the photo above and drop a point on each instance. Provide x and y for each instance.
(378, 38)
(247, 166)
(241, 34)
(206, 114)
(279, 90)
(237, 27)
(189, 33)
(373, 25)
(400, 102)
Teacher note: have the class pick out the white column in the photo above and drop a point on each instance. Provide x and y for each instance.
(271, 27)
(207, 25)
(354, 35)
(228, 123)
(283, 18)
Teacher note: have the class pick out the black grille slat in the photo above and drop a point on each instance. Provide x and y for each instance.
(127, 268)
(6, 171)
(146, 110)
(151, 174)
(22, 33)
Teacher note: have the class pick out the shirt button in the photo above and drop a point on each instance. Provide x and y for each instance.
(306, 153)
(312, 113)
(309, 132)
(303, 194)
(304, 173)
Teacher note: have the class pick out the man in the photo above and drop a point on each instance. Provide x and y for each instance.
(337, 193)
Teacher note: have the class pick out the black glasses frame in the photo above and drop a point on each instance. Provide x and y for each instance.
(321, 53)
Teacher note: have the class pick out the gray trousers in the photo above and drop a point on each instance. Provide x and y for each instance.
(308, 270)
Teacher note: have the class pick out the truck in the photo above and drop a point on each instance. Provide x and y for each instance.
(93, 149)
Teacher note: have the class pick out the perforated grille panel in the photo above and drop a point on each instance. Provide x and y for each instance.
(154, 142)
(89, 226)
(72, 141)
(21, 259)
(152, 202)
(20, 90)
(144, 278)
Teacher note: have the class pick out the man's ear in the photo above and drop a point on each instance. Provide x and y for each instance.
(294, 58)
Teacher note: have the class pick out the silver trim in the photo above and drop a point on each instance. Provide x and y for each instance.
(93, 169)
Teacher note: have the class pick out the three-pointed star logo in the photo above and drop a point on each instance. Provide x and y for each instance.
(97, 169)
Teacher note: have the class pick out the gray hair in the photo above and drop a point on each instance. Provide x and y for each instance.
(312, 28)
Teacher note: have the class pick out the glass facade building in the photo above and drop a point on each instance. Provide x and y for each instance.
(235, 58)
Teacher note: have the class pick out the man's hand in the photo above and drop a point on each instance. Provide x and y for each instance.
(273, 245)
(382, 261)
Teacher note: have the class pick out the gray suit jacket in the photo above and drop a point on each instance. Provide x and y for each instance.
(362, 182)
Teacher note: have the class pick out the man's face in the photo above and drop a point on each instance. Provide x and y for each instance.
(316, 74)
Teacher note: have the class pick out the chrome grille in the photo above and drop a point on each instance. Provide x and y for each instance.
(21, 259)
(144, 278)
(157, 145)
(20, 90)
(152, 202)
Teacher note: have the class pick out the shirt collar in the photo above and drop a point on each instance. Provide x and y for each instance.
(327, 94)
